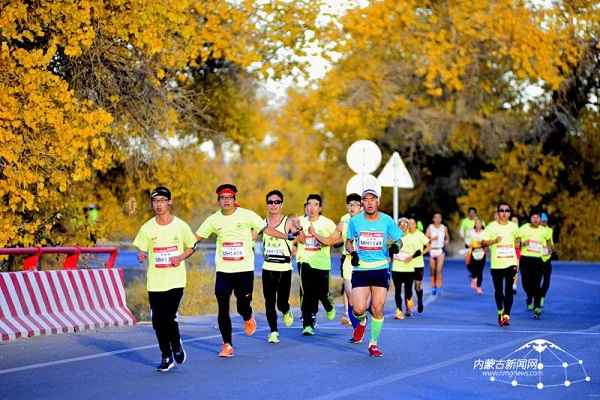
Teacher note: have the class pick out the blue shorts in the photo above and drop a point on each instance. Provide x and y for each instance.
(375, 277)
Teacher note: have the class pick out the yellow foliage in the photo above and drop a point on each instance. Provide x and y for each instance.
(522, 177)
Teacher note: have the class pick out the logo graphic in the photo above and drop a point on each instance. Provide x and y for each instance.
(538, 363)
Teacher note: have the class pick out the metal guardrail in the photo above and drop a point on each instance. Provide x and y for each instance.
(71, 260)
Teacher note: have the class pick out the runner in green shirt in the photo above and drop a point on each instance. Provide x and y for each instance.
(165, 241)
(546, 258)
(315, 264)
(234, 259)
(534, 238)
(502, 237)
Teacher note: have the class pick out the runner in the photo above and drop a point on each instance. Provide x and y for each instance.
(234, 259)
(277, 265)
(439, 237)
(502, 236)
(534, 238)
(165, 241)
(547, 264)
(476, 255)
(370, 232)
(315, 264)
(515, 219)
(416, 235)
(403, 271)
(353, 202)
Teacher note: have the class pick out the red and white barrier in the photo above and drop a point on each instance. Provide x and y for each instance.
(37, 303)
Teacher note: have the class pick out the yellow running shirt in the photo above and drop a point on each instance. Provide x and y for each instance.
(235, 247)
(550, 236)
(411, 242)
(537, 240)
(503, 254)
(162, 242)
(277, 252)
(312, 251)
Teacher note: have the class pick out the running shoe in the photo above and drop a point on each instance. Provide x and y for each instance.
(374, 350)
(345, 320)
(359, 331)
(530, 307)
(409, 305)
(408, 313)
(308, 331)
(331, 314)
(399, 314)
(479, 291)
(514, 290)
(433, 291)
(352, 341)
(273, 337)
(439, 291)
(179, 354)
(226, 350)
(500, 314)
(166, 364)
(537, 313)
(542, 302)
(420, 306)
(250, 326)
(288, 318)
(505, 320)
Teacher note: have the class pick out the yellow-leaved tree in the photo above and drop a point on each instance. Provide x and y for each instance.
(101, 102)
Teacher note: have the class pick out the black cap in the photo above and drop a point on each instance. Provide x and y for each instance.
(161, 191)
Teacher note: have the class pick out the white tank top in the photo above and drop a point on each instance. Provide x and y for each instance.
(439, 234)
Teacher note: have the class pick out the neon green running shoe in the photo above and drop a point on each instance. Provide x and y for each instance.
(530, 307)
(308, 331)
(331, 314)
(537, 313)
(273, 337)
(288, 318)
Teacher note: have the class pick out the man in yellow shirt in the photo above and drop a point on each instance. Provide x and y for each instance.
(234, 259)
(165, 241)
(502, 236)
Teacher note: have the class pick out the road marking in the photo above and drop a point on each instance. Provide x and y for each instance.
(93, 356)
(428, 368)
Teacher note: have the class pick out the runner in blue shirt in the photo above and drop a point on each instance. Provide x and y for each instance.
(368, 233)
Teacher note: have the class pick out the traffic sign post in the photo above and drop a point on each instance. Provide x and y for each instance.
(396, 175)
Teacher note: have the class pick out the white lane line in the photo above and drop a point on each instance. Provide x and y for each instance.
(442, 364)
(93, 356)
(570, 278)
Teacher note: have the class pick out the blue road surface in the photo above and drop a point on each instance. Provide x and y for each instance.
(453, 350)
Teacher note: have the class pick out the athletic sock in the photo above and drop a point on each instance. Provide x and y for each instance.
(360, 318)
(376, 326)
(353, 319)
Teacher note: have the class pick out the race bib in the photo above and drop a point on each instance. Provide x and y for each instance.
(163, 255)
(478, 254)
(275, 254)
(232, 251)
(312, 244)
(370, 241)
(402, 256)
(505, 251)
(534, 247)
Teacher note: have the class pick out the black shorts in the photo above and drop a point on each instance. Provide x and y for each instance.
(419, 274)
(375, 277)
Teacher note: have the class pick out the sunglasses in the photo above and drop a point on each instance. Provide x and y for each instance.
(504, 210)
(274, 201)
